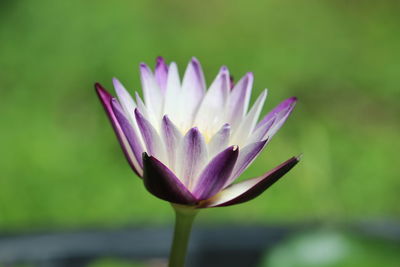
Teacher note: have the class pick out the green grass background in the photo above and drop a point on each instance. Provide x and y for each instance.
(61, 166)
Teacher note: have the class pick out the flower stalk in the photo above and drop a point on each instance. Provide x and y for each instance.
(184, 217)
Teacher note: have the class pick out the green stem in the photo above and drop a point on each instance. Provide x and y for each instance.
(184, 217)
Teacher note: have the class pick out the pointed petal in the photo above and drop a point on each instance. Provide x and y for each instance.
(193, 89)
(211, 111)
(128, 105)
(192, 156)
(173, 94)
(130, 134)
(248, 123)
(172, 138)
(246, 156)
(154, 144)
(151, 91)
(162, 183)
(261, 133)
(105, 99)
(239, 100)
(286, 105)
(219, 141)
(249, 189)
(161, 74)
(216, 173)
(280, 115)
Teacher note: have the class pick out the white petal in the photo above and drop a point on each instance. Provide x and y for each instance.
(239, 100)
(219, 141)
(210, 115)
(247, 125)
(173, 95)
(128, 105)
(193, 89)
(151, 91)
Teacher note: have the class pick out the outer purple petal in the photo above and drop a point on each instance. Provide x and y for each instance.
(246, 157)
(105, 99)
(216, 173)
(130, 134)
(249, 189)
(161, 74)
(162, 183)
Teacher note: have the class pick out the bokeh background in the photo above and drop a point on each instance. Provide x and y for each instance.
(61, 166)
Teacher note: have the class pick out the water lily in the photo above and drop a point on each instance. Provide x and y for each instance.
(190, 144)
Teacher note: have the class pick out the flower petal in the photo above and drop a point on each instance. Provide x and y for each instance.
(105, 99)
(210, 115)
(216, 173)
(249, 189)
(193, 156)
(154, 144)
(125, 99)
(239, 100)
(128, 105)
(161, 74)
(248, 123)
(246, 156)
(261, 133)
(173, 94)
(162, 183)
(193, 89)
(151, 91)
(172, 138)
(219, 141)
(130, 134)
(286, 105)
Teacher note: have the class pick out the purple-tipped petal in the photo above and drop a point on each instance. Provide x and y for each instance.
(105, 99)
(172, 138)
(246, 156)
(281, 110)
(154, 145)
(151, 91)
(239, 99)
(262, 132)
(247, 125)
(126, 100)
(216, 173)
(194, 77)
(192, 156)
(130, 133)
(249, 189)
(162, 183)
(214, 102)
(193, 89)
(161, 74)
(173, 94)
(219, 141)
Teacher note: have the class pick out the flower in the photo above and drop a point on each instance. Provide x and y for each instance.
(190, 145)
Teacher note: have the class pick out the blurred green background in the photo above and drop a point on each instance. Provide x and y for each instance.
(61, 166)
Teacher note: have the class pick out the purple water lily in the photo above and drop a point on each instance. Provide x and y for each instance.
(190, 144)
